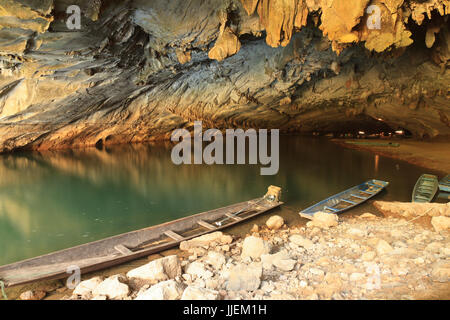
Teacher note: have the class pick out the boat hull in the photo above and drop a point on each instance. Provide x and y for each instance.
(347, 199)
(103, 254)
(444, 184)
(425, 189)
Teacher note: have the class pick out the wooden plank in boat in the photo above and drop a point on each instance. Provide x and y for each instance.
(206, 225)
(122, 249)
(173, 235)
(349, 201)
(359, 197)
(230, 215)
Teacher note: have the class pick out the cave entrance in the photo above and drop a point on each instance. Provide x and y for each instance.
(361, 126)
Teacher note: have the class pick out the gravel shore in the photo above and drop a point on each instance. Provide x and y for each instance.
(403, 255)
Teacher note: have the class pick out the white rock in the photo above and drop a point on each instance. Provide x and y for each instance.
(254, 247)
(358, 233)
(383, 247)
(434, 247)
(166, 290)
(112, 288)
(85, 288)
(281, 260)
(317, 272)
(196, 293)
(441, 271)
(357, 276)
(440, 223)
(243, 277)
(215, 259)
(285, 264)
(301, 241)
(368, 256)
(197, 269)
(33, 295)
(323, 220)
(157, 270)
(275, 222)
(206, 240)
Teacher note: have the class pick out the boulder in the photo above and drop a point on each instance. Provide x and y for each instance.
(215, 259)
(285, 264)
(301, 241)
(206, 240)
(441, 271)
(383, 247)
(166, 290)
(323, 220)
(198, 270)
(85, 288)
(157, 270)
(368, 256)
(33, 295)
(245, 277)
(113, 288)
(281, 260)
(275, 222)
(440, 223)
(254, 247)
(196, 293)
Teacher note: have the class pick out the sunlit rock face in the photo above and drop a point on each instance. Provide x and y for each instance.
(137, 70)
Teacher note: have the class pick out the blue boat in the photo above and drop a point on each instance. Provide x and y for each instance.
(347, 199)
(444, 184)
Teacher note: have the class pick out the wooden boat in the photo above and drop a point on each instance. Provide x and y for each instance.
(347, 199)
(374, 143)
(425, 188)
(444, 184)
(136, 244)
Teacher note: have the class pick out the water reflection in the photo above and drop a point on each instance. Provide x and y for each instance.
(54, 200)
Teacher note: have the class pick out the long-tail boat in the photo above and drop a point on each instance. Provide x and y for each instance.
(129, 246)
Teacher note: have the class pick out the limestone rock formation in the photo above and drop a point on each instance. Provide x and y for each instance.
(135, 69)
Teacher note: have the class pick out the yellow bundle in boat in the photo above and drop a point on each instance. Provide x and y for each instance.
(273, 193)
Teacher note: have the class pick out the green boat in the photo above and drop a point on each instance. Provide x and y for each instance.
(374, 143)
(444, 184)
(425, 188)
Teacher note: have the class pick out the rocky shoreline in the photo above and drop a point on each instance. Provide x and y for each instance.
(399, 256)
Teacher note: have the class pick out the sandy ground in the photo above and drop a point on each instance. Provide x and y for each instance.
(428, 154)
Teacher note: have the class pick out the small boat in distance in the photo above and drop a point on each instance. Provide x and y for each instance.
(425, 188)
(444, 184)
(347, 199)
(129, 246)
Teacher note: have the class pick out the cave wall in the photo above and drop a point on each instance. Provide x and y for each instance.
(136, 70)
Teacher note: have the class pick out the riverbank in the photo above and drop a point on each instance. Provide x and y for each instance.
(403, 255)
(432, 155)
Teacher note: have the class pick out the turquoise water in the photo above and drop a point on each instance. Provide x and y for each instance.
(54, 200)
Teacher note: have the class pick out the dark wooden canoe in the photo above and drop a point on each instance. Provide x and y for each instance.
(425, 188)
(347, 199)
(115, 250)
(444, 184)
